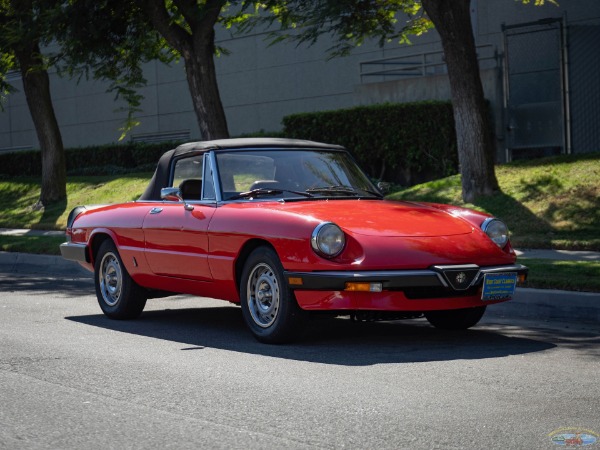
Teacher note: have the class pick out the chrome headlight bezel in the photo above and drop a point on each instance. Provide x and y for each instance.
(328, 240)
(496, 230)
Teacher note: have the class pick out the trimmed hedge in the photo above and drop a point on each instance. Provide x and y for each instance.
(403, 143)
(100, 160)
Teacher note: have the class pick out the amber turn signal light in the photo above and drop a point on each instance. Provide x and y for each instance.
(363, 287)
(295, 281)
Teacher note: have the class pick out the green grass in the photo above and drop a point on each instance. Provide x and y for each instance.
(18, 195)
(41, 245)
(546, 203)
(567, 275)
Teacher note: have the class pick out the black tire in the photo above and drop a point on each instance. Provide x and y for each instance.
(118, 295)
(269, 307)
(455, 319)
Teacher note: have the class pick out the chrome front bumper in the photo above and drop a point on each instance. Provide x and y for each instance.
(75, 252)
(436, 276)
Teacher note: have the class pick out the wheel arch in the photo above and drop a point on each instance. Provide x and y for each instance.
(96, 241)
(243, 255)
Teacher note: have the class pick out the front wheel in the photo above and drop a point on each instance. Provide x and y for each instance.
(455, 319)
(118, 295)
(268, 305)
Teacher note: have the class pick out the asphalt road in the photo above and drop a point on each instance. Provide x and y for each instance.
(189, 375)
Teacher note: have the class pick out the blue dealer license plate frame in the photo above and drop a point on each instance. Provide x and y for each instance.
(499, 286)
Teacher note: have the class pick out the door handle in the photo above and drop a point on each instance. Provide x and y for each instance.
(156, 210)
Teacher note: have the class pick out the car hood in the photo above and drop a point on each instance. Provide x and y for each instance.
(381, 218)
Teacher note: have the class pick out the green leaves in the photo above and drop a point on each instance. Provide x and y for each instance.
(7, 64)
(350, 22)
(538, 2)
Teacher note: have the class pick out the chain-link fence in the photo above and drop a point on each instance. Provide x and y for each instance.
(534, 89)
(552, 88)
(584, 82)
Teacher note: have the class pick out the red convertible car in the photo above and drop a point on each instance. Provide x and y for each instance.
(287, 228)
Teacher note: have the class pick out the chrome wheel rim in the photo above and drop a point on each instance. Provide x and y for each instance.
(110, 277)
(263, 295)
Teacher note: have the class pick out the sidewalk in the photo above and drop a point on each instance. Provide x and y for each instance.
(574, 308)
(564, 255)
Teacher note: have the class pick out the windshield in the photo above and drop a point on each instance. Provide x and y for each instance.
(251, 174)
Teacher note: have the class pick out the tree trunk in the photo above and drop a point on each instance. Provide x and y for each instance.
(476, 150)
(204, 88)
(196, 44)
(37, 92)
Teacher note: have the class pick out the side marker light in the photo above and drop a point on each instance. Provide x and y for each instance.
(295, 281)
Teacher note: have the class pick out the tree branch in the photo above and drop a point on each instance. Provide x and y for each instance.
(175, 35)
(190, 10)
(210, 15)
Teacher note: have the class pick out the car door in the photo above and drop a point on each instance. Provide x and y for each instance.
(176, 239)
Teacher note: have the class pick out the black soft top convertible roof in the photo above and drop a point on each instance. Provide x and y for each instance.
(161, 174)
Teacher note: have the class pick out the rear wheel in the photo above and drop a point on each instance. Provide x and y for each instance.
(268, 305)
(118, 295)
(455, 319)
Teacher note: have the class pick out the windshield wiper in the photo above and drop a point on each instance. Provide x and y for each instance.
(337, 189)
(342, 190)
(266, 191)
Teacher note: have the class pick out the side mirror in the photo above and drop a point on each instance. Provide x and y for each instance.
(384, 187)
(171, 194)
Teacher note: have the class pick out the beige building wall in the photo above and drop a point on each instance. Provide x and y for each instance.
(260, 84)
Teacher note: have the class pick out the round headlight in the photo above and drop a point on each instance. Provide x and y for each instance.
(328, 239)
(496, 230)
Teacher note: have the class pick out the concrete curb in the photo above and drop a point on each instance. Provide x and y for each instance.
(48, 265)
(536, 304)
(28, 232)
(547, 304)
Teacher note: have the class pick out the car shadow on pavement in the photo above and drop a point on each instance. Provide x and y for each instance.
(331, 341)
(42, 284)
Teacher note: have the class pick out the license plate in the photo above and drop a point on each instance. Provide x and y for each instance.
(499, 286)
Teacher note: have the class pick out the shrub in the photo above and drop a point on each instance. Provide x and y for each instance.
(96, 160)
(402, 143)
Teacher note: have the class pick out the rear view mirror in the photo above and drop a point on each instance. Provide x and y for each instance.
(384, 187)
(171, 194)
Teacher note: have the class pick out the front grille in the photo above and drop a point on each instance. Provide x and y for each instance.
(460, 279)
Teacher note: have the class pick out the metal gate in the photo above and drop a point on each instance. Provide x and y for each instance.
(534, 89)
(584, 90)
